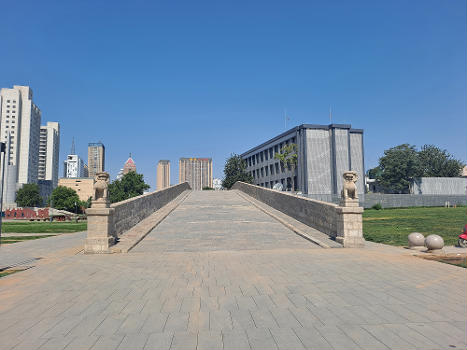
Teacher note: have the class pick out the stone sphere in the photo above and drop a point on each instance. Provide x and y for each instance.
(416, 239)
(434, 242)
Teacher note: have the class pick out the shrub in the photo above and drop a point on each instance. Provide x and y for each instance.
(377, 206)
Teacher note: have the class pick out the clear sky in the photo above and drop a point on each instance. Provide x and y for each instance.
(171, 79)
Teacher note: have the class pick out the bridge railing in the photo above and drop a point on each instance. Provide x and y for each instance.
(342, 223)
(107, 222)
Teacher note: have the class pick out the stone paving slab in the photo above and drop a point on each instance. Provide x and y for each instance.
(16, 254)
(253, 287)
(296, 226)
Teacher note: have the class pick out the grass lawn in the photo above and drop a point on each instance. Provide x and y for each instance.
(16, 239)
(4, 273)
(43, 227)
(391, 226)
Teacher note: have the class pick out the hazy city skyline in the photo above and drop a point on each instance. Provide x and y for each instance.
(209, 79)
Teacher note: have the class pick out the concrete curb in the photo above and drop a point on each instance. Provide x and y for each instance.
(285, 223)
(132, 237)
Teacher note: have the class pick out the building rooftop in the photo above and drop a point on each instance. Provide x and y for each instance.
(305, 126)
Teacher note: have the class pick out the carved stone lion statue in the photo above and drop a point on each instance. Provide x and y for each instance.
(349, 190)
(100, 186)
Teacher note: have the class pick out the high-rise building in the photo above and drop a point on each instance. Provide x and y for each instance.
(20, 121)
(196, 171)
(129, 166)
(73, 166)
(163, 174)
(96, 158)
(49, 149)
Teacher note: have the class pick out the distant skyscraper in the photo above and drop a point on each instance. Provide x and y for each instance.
(49, 148)
(163, 174)
(20, 121)
(196, 171)
(96, 158)
(129, 166)
(73, 166)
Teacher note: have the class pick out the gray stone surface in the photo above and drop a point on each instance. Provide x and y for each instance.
(219, 273)
(342, 223)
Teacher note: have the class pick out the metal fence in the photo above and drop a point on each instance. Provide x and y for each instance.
(398, 200)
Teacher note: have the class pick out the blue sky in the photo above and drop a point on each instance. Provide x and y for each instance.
(172, 79)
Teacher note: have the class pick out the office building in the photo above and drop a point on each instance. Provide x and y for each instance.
(73, 166)
(129, 166)
(96, 158)
(163, 174)
(196, 171)
(49, 149)
(84, 187)
(324, 153)
(20, 121)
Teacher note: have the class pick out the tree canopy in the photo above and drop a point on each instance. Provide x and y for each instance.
(288, 157)
(130, 185)
(28, 196)
(401, 164)
(235, 170)
(66, 199)
(435, 162)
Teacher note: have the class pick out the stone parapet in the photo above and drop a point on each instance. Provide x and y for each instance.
(106, 224)
(344, 224)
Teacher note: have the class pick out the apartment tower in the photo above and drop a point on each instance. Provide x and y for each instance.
(49, 149)
(96, 158)
(20, 121)
(163, 174)
(196, 171)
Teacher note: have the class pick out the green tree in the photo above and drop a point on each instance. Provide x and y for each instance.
(235, 170)
(399, 166)
(436, 162)
(28, 196)
(65, 198)
(374, 173)
(130, 185)
(288, 158)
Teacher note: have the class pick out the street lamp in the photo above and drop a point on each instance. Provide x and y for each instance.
(2, 151)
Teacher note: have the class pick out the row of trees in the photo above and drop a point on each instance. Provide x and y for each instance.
(400, 165)
(64, 198)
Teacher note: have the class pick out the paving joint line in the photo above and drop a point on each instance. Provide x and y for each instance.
(127, 245)
(286, 224)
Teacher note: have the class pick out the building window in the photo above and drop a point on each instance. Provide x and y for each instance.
(266, 170)
(261, 156)
(271, 168)
(277, 168)
(262, 172)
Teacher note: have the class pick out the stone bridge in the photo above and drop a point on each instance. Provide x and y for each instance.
(223, 270)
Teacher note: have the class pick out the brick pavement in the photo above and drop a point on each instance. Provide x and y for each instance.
(218, 273)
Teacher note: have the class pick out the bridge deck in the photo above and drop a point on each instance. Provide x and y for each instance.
(210, 221)
(219, 274)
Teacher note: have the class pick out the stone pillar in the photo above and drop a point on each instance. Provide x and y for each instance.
(349, 214)
(349, 226)
(100, 219)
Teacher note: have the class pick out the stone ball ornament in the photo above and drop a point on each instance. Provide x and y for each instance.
(433, 242)
(416, 239)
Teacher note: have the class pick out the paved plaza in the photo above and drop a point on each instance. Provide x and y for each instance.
(219, 273)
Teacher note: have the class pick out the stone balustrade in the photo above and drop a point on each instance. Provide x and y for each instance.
(342, 223)
(107, 222)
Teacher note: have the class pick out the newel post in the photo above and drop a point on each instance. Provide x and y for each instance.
(100, 218)
(349, 214)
